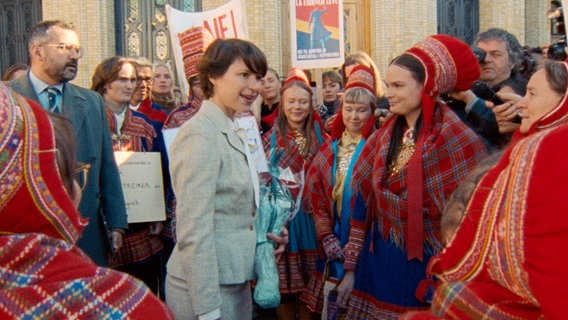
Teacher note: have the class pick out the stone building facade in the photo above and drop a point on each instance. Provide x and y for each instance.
(383, 28)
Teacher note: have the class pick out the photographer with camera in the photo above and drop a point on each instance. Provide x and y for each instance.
(499, 55)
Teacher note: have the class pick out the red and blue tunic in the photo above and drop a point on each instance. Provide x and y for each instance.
(386, 280)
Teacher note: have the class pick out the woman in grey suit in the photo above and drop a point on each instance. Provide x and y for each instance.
(217, 195)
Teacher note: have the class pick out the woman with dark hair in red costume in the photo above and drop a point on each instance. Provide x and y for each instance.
(402, 180)
(508, 257)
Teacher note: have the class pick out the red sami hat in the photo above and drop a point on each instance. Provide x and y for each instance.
(449, 63)
(361, 77)
(194, 41)
(296, 74)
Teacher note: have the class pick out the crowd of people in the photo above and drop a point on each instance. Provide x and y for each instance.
(429, 193)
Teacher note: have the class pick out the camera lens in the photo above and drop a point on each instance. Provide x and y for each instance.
(479, 54)
(556, 51)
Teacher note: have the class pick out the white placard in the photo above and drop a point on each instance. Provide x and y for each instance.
(142, 184)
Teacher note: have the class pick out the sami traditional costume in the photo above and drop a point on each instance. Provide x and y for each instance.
(43, 273)
(329, 192)
(508, 258)
(395, 228)
(298, 261)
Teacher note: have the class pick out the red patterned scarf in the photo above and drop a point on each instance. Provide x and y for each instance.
(501, 262)
(153, 112)
(450, 151)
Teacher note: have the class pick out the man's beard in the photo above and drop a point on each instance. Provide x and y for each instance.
(65, 74)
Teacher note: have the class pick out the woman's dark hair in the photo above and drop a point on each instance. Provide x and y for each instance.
(66, 145)
(556, 75)
(221, 54)
(107, 71)
(282, 122)
(418, 73)
(411, 64)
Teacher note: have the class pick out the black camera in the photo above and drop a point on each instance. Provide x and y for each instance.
(479, 54)
(484, 91)
(556, 51)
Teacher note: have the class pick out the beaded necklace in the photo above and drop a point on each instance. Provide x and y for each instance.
(405, 151)
(301, 142)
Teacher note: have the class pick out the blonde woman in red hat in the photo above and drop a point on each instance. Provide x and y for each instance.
(297, 133)
(327, 182)
(403, 178)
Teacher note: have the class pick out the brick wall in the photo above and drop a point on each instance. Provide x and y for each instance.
(393, 26)
(396, 26)
(94, 21)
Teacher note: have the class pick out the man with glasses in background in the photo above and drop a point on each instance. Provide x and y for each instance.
(54, 54)
(141, 100)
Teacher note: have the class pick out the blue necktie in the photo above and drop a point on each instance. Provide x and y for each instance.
(52, 93)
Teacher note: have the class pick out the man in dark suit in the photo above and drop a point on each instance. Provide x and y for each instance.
(54, 54)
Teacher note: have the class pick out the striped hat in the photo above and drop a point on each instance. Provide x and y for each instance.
(361, 77)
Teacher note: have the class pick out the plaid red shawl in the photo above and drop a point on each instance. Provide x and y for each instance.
(43, 277)
(136, 134)
(292, 157)
(450, 151)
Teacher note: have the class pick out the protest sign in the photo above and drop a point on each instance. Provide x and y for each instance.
(142, 184)
(192, 32)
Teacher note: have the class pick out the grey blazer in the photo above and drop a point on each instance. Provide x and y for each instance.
(86, 110)
(215, 208)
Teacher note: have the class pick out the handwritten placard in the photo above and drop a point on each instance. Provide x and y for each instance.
(142, 184)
